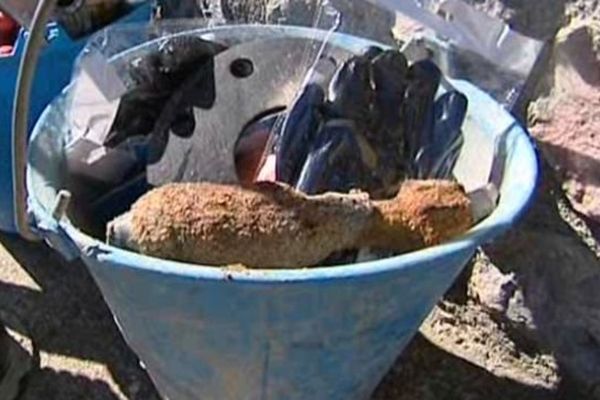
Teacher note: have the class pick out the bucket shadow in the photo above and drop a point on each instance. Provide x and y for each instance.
(426, 372)
(68, 317)
(559, 276)
(56, 385)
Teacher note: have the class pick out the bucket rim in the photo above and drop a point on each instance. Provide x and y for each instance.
(494, 225)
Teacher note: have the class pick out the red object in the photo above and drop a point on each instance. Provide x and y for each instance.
(9, 30)
(249, 152)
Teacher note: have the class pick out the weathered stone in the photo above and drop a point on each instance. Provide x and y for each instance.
(567, 121)
(539, 19)
(359, 17)
(468, 331)
(490, 287)
(555, 303)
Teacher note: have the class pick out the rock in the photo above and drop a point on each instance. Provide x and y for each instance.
(243, 11)
(466, 330)
(358, 16)
(539, 19)
(490, 287)
(555, 303)
(567, 120)
(363, 19)
(582, 9)
(561, 300)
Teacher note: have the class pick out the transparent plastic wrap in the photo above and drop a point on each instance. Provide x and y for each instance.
(240, 92)
(144, 96)
(468, 44)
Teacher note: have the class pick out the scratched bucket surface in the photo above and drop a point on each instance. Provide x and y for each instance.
(323, 333)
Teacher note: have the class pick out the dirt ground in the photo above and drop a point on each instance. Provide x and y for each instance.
(81, 355)
(462, 352)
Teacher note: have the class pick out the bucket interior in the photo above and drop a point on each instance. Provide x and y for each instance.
(486, 122)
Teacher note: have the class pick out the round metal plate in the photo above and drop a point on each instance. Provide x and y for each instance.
(250, 79)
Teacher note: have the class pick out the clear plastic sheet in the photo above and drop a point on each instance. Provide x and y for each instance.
(468, 44)
(155, 100)
(128, 88)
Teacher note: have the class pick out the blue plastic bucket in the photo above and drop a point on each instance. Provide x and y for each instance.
(54, 73)
(324, 333)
